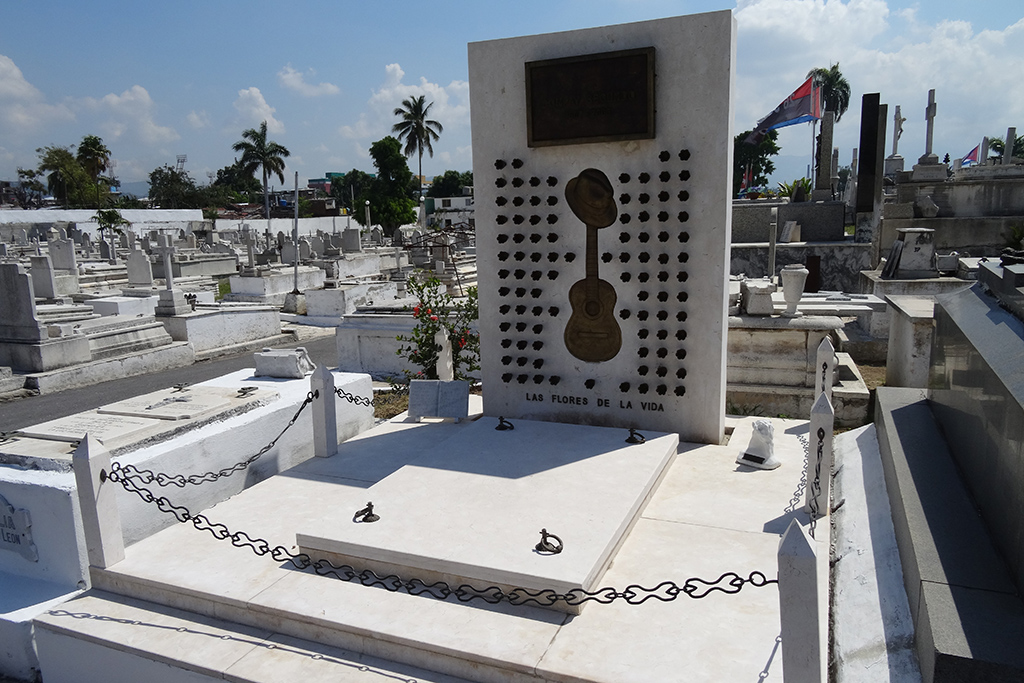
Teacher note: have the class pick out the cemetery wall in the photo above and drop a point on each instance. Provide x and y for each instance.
(841, 262)
(969, 198)
(977, 383)
(985, 236)
(307, 226)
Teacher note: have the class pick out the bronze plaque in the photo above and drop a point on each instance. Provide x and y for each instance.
(590, 98)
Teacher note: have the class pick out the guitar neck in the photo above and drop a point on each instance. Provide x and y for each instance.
(591, 252)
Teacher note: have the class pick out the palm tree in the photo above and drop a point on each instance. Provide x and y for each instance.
(835, 89)
(416, 130)
(94, 157)
(260, 153)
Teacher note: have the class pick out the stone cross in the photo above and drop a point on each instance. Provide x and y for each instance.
(897, 130)
(250, 247)
(166, 250)
(929, 115)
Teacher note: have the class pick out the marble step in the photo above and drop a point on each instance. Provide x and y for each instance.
(104, 637)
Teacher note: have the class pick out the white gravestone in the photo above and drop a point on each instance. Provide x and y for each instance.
(445, 364)
(435, 398)
(760, 452)
(638, 218)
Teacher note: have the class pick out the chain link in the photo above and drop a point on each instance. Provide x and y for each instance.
(729, 583)
(119, 472)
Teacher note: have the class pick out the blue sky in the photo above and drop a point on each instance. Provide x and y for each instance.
(155, 80)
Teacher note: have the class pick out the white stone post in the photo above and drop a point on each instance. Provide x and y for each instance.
(1011, 139)
(325, 420)
(773, 236)
(802, 655)
(96, 497)
(825, 368)
(819, 461)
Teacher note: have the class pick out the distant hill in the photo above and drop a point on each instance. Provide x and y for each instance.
(140, 189)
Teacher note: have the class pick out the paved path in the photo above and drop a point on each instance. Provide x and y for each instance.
(35, 409)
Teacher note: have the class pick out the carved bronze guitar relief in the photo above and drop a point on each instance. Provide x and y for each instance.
(592, 333)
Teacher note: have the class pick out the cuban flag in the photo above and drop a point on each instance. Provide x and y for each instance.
(800, 107)
(971, 157)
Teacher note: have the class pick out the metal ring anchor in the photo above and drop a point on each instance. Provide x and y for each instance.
(246, 392)
(635, 437)
(504, 425)
(366, 515)
(545, 546)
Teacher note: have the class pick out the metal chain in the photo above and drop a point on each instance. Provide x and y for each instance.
(729, 583)
(812, 499)
(119, 472)
(351, 398)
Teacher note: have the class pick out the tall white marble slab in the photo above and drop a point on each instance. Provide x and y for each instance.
(665, 255)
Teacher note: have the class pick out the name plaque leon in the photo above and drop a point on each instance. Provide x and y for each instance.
(16, 531)
(600, 97)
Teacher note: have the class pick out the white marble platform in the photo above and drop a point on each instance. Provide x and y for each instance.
(470, 510)
(709, 516)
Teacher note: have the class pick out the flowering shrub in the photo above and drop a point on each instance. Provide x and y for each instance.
(436, 309)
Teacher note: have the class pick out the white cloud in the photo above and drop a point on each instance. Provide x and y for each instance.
(132, 110)
(451, 108)
(294, 80)
(198, 119)
(22, 105)
(253, 110)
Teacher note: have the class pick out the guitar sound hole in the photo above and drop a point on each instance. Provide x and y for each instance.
(680, 391)
(592, 308)
(589, 384)
(683, 195)
(664, 177)
(624, 387)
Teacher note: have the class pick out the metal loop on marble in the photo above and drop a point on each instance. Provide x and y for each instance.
(366, 515)
(546, 546)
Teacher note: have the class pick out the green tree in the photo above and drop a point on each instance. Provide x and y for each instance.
(835, 89)
(388, 194)
(94, 157)
(238, 180)
(998, 145)
(258, 153)
(30, 189)
(756, 157)
(355, 183)
(416, 130)
(450, 184)
(173, 189)
(65, 177)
